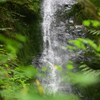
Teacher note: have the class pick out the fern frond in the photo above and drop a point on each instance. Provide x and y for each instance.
(94, 32)
(87, 70)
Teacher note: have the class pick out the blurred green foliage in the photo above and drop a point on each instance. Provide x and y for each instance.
(22, 17)
(19, 82)
(87, 13)
(17, 18)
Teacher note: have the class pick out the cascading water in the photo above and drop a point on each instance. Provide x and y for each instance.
(56, 33)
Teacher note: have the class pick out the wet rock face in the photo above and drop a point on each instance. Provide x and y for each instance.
(35, 61)
(63, 29)
(58, 29)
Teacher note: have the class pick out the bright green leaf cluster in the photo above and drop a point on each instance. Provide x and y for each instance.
(94, 23)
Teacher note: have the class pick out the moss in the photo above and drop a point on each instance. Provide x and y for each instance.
(34, 42)
(22, 17)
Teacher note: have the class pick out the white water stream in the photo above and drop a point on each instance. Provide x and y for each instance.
(52, 54)
(54, 37)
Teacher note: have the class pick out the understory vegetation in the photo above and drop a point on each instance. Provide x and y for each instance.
(87, 13)
(21, 40)
(19, 36)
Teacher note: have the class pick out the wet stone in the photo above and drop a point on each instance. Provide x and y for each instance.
(71, 21)
(62, 23)
(72, 27)
(66, 21)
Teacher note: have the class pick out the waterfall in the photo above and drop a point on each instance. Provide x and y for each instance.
(56, 33)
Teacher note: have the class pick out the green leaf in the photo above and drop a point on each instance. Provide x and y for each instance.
(44, 68)
(95, 23)
(21, 38)
(59, 67)
(6, 65)
(71, 62)
(63, 47)
(85, 69)
(69, 66)
(99, 13)
(86, 22)
(82, 66)
(72, 47)
(98, 49)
